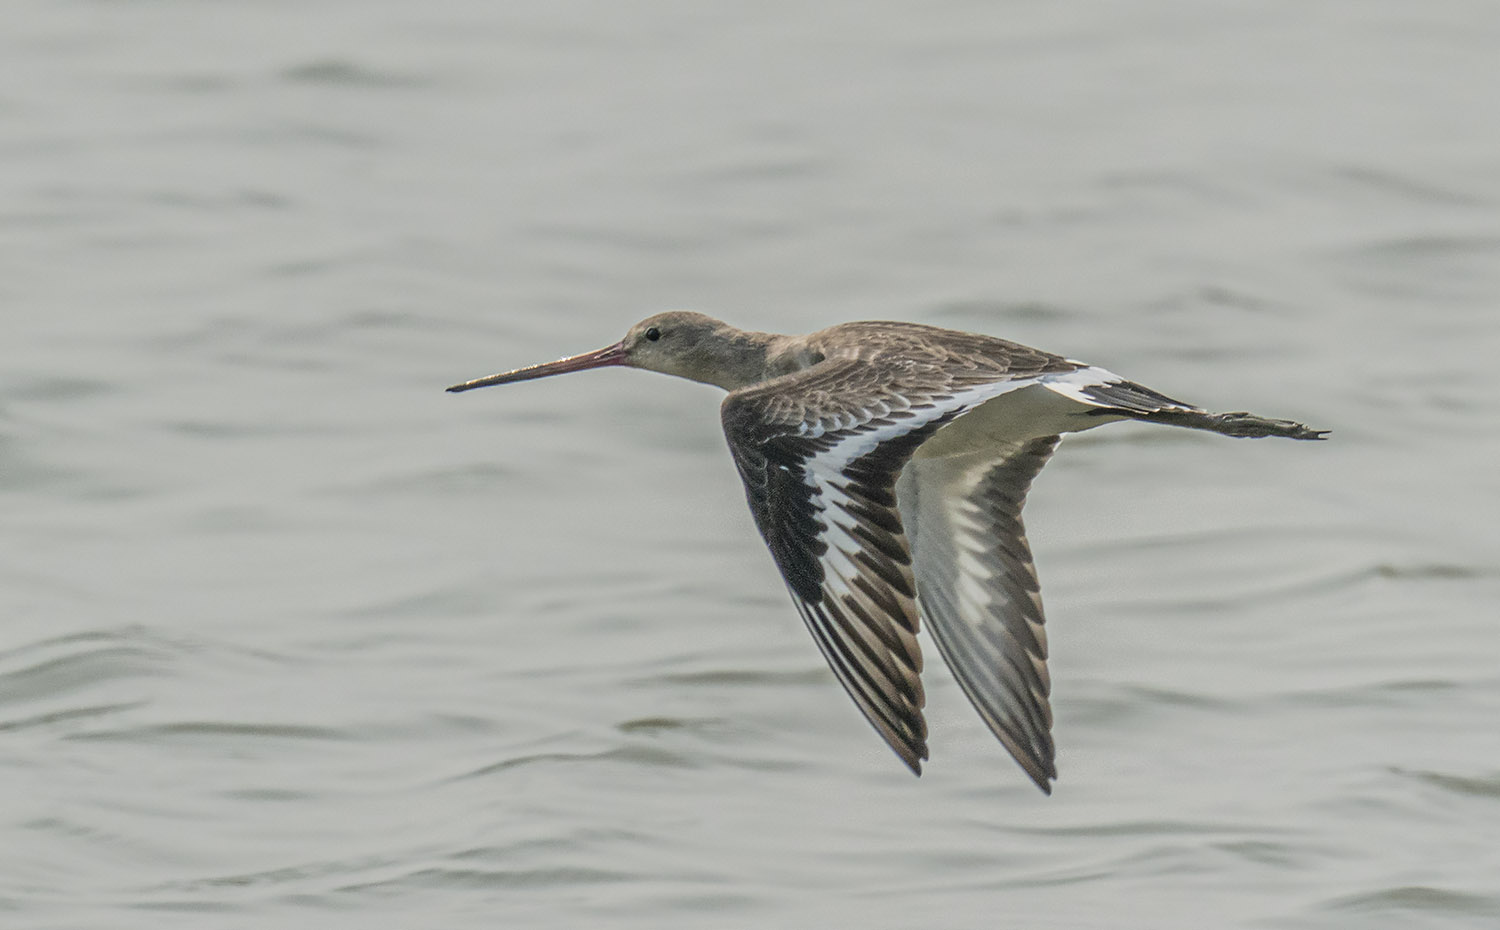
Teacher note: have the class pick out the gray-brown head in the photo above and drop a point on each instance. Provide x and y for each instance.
(678, 342)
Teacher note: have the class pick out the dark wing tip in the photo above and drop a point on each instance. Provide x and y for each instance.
(911, 756)
(1042, 780)
(1038, 766)
(911, 750)
(915, 761)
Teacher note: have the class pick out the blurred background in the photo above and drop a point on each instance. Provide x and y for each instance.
(291, 638)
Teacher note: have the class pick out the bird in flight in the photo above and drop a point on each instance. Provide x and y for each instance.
(885, 465)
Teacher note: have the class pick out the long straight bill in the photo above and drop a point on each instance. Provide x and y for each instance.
(599, 358)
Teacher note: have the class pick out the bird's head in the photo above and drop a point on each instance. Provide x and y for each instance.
(678, 342)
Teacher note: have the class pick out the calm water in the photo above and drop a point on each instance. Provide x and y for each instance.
(293, 639)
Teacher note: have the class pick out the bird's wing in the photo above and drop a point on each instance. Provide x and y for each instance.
(819, 452)
(978, 588)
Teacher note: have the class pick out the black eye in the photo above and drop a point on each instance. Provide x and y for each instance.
(653, 334)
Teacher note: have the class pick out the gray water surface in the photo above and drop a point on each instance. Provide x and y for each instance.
(291, 638)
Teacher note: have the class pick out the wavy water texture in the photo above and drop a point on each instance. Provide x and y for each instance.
(289, 637)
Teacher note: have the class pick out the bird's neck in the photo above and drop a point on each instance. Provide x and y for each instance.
(740, 358)
(727, 357)
(731, 359)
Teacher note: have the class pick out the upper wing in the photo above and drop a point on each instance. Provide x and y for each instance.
(819, 452)
(978, 589)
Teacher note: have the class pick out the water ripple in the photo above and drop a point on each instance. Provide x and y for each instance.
(69, 714)
(1482, 787)
(61, 667)
(633, 755)
(341, 73)
(440, 877)
(192, 730)
(1422, 899)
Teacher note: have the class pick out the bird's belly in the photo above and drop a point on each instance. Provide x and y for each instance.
(1015, 416)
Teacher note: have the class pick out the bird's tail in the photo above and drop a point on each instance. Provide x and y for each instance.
(1120, 397)
(1240, 424)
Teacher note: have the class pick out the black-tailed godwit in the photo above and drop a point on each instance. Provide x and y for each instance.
(886, 465)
